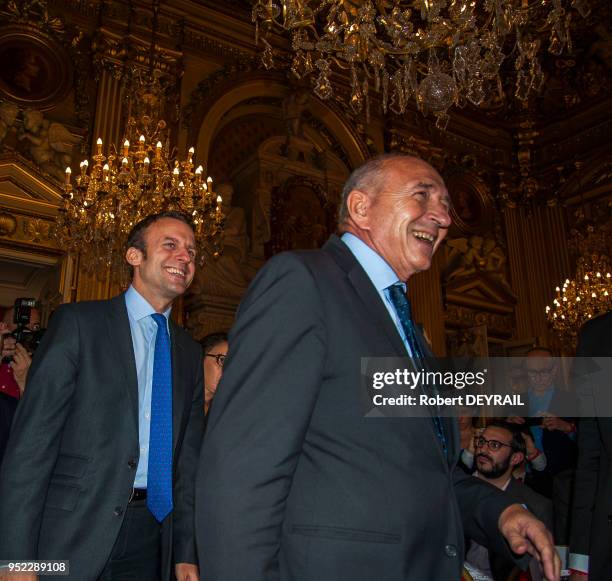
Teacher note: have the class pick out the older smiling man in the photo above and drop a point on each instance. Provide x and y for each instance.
(294, 482)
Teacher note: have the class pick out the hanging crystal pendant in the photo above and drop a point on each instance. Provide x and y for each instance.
(323, 88)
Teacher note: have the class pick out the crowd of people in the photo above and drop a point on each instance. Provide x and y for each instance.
(137, 453)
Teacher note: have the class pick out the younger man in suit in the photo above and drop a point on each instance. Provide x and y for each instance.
(99, 468)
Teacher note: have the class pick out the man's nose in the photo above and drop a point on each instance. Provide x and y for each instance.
(183, 255)
(440, 213)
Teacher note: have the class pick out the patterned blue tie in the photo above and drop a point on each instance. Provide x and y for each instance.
(402, 308)
(159, 475)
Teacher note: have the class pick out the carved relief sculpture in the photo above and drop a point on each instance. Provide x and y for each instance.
(50, 143)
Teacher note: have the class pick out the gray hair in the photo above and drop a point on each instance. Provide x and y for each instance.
(369, 178)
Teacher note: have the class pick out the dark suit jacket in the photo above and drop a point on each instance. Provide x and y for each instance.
(8, 405)
(560, 448)
(539, 505)
(71, 460)
(591, 525)
(294, 482)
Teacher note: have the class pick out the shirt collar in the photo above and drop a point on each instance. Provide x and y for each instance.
(376, 267)
(548, 393)
(138, 307)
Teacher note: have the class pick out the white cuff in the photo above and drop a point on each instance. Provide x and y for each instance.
(579, 562)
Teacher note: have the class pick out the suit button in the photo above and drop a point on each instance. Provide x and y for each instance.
(450, 550)
(132, 463)
(118, 511)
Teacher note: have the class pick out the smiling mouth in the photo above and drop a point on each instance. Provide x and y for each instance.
(425, 237)
(176, 272)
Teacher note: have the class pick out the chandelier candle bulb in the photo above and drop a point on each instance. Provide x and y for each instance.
(588, 293)
(139, 177)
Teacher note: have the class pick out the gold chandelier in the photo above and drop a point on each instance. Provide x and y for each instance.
(437, 52)
(117, 190)
(589, 293)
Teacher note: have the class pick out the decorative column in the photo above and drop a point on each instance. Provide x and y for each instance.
(109, 67)
(538, 260)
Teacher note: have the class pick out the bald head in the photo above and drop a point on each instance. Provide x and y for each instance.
(371, 178)
(398, 206)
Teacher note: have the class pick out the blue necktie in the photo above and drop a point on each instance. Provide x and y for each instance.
(159, 474)
(401, 304)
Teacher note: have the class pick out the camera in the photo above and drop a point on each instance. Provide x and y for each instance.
(24, 334)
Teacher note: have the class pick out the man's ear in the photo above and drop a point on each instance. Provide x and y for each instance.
(358, 205)
(516, 458)
(133, 256)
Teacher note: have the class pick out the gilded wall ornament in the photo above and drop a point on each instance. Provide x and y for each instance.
(8, 224)
(36, 70)
(473, 208)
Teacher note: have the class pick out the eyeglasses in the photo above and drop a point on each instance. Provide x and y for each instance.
(219, 358)
(540, 372)
(492, 444)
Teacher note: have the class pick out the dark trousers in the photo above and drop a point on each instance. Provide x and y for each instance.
(136, 552)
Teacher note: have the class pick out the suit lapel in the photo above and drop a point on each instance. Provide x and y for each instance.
(120, 340)
(373, 306)
(178, 383)
(376, 311)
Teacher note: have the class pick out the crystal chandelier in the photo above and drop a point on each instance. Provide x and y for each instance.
(114, 191)
(438, 52)
(588, 293)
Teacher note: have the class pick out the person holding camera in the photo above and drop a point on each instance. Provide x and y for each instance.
(13, 371)
(16, 358)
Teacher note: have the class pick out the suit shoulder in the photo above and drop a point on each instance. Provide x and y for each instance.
(316, 262)
(305, 257)
(83, 309)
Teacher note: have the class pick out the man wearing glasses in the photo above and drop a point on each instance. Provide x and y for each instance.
(553, 434)
(214, 347)
(498, 450)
